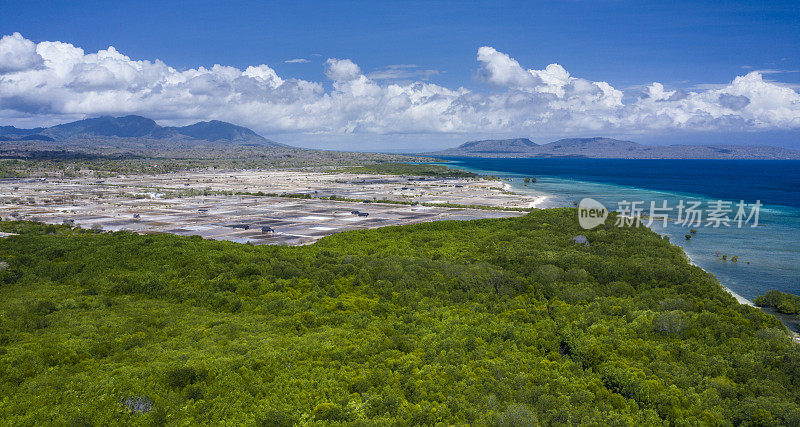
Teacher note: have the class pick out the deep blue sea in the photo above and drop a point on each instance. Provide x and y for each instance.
(772, 248)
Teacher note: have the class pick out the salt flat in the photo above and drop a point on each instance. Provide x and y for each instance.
(266, 210)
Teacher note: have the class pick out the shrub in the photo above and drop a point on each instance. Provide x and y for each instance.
(517, 415)
(327, 411)
(670, 322)
(781, 301)
(547, 274)
(180, 377)
(576, 275)
(276, 418)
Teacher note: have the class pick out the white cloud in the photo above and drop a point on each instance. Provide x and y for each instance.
(297, 61)
(748, 102)
(776, 71)
(342, 70)
(53, 82)
(503, 70)
(402, 72)
(18, 54)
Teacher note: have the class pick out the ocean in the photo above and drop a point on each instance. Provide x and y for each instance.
(768, 255)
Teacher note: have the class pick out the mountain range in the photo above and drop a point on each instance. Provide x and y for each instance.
(138, 129)
(612, 149)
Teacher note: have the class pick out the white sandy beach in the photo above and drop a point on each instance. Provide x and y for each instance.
(538, 202)
(741, 299)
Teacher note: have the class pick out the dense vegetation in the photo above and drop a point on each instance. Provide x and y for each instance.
(782, 302)
(502, 322)
(395, 168)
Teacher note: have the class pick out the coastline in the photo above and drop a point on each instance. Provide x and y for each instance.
(537, 200)
(739, 298)
(543, 198)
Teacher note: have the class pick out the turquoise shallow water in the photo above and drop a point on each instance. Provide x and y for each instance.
(772, 249)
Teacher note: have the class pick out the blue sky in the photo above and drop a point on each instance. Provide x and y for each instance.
(693, 46)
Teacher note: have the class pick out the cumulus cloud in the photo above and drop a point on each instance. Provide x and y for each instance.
(342, 70)
(748, 102)
(18, 54)
(46, 82)
(502, 70)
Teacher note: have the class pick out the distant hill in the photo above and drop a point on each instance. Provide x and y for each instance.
(216, 130)
(518, 145)
(612, 149)
(138, 129)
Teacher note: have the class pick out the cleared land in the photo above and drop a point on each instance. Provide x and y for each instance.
(296, 206)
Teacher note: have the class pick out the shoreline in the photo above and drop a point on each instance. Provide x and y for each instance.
(739, 298)
(537, 201)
